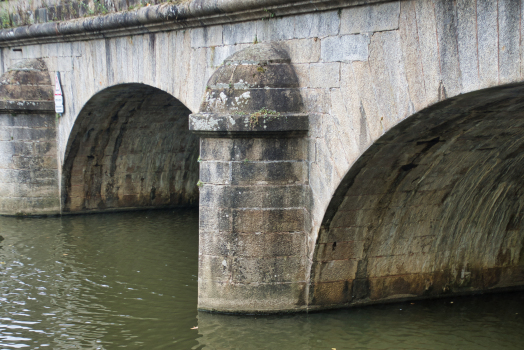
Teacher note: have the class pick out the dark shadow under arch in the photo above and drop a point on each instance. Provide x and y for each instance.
(130, 148)
(434, 207)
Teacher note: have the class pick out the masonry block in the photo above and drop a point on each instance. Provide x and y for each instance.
(254, 178)
(345, 48)
(29, 165)
(317, 25)
(368, 19)
(324, 75)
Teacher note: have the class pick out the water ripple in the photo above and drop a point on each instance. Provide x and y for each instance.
(130, 281)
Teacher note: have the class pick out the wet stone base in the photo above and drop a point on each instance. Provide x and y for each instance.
(28, 165)
(252, 215)
(325, 295)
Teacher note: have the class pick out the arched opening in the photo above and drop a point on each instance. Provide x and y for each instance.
(130, 148)
(434, 207)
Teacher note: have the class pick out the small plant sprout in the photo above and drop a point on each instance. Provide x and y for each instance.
(263, 112)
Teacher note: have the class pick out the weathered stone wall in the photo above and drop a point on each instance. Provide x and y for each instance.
(28, 152)
(433, 208)
(135, 152)
(28, 164)
(252, 225)
(14, 13)
(254, 186)
(361, 70)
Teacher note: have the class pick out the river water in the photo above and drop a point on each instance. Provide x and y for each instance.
(130, 281)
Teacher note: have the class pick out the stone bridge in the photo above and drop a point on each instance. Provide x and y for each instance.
(341, 152)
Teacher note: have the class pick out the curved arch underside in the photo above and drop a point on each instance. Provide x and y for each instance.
(130, 148)
(435, 206)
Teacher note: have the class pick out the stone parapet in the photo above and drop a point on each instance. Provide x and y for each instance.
(162, 17)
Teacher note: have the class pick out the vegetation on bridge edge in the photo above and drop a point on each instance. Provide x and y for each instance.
(12, 15)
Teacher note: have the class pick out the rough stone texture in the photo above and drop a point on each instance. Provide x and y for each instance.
(324, 75)
(253, 177)
(28, 157)
(345, 48)
(206, 36)
(317, 26)
(136, 152)
(433, 208)
(180, 15)
(509, 55)
(254, 93)
(487, 35)
(395, 64)
(369, 19)
(240, 33)
(276, 29)
(467, 43)
(445, 12)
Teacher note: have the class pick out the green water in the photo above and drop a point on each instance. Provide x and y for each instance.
(130, 281)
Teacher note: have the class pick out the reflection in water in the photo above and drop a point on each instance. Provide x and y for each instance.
(480, 322)
(99, 281)
(129, 281)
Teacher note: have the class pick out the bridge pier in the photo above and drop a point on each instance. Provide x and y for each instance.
(409, 176)
(28, 156)
(253, 186)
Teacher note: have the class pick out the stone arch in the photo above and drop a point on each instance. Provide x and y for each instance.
(130, 148)
(434, 207)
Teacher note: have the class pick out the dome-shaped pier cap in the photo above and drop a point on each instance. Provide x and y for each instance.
(26, 87)
(255, 91)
